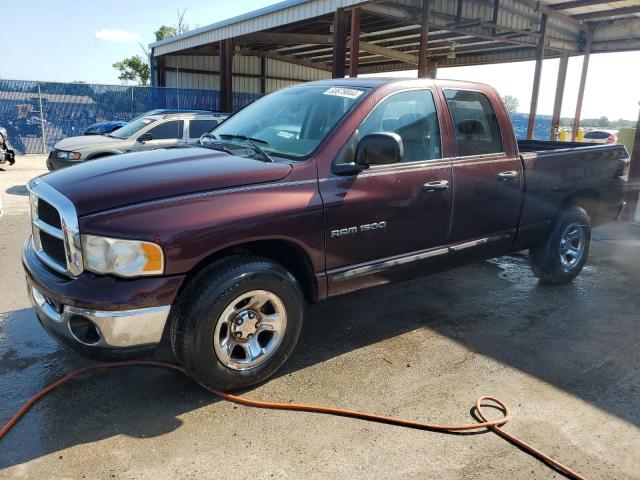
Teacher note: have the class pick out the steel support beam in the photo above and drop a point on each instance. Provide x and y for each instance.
(389, 53)
(339, 43)
(536, 77)
(583, 82)
(494, 17)
(423, 61)
(557, 103)
(578, 4)
(354, 43)
(263, 75)
(608, 13)
(225, 103)
(286, 38)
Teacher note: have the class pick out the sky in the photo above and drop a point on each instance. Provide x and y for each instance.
(70, 40)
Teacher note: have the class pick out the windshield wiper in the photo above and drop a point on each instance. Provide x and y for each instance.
(252, 141)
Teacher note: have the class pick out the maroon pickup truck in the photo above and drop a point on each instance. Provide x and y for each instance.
(312, 191)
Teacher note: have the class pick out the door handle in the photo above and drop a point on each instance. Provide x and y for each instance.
(437, 185)
(508, 175)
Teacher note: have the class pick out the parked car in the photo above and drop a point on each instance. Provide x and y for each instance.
(155, 129)
(600, 136)
(7, 153)
(102, 128)
(310, 192)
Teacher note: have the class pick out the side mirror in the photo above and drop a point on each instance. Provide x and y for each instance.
(381, 148)
(145, 137)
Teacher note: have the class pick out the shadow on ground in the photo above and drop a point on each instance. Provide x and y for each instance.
(581, 338)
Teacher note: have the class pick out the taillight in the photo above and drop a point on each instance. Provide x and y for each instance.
(612, 139)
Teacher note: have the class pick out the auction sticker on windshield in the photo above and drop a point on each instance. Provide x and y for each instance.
(343, 92)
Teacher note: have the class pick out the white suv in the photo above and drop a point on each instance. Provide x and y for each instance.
(154, 129)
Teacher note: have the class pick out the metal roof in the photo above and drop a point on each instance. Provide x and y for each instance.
(462, 32)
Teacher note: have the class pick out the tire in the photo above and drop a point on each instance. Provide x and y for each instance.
(561, 257)
(219, 309)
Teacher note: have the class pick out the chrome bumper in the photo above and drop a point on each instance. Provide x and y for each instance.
(99, 328)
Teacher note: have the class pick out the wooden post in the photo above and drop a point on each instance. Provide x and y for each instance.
(354, 44)
(536, 77)
(557, 103)
(583, 82)
(339, 43)
(423, 62)
(226, 75)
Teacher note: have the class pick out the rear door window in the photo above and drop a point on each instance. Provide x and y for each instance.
(475, 123)
(412, 115)
(168, 130)
(197, 128)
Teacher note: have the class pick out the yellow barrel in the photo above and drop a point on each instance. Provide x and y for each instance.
(580, 135)
(563, 134)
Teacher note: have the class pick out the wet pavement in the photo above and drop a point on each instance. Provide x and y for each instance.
(565, 360)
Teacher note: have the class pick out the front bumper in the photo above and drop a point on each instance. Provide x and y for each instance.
(87, 327)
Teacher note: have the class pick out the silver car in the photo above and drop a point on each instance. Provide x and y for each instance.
(155, 129)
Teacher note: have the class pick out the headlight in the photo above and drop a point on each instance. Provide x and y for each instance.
(68, 155)
(123, 258)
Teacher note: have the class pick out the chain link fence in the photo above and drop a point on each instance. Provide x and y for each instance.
(39, 114)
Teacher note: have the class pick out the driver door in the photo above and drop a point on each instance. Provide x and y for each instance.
(163, 135)
(395, 215)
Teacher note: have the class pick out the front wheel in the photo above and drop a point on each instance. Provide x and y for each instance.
(561, 257)
(237, 322)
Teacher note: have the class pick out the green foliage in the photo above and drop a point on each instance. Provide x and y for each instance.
(133, 69)
(165, 31)
(511, 103)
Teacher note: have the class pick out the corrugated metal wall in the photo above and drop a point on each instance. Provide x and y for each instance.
(201, 72)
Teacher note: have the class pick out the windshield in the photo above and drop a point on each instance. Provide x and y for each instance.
(132, 127)
(292, 122)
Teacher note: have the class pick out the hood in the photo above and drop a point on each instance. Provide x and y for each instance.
(131, 178)
(86, 141)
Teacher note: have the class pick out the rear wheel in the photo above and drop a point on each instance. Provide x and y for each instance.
(237, 322)
(562, 256)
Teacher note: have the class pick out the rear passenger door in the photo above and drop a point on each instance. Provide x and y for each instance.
(488, 192)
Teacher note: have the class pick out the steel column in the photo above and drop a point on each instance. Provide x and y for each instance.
(583, 81)
(536, 77)
(423, 62)
(634, 175)
(263, 75)
(354, 44)
(226, 76)
(557, 103)
(339, 43)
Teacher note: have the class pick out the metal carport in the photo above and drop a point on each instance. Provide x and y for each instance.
(302, 40)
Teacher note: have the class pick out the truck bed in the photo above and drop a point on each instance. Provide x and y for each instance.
(553, 170)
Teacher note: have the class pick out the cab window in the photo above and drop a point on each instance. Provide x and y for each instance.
(475, 123)
(168, 130)
(197, 128)
(412, 115)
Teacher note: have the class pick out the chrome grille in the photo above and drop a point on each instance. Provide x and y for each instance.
(56, 236)
(48, 214)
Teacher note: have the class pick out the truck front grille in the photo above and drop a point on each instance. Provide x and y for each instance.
(48, 214)
(56, 236)
(54, 247)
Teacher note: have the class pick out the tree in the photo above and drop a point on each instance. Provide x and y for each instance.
(165, 31)
(133, 69)
(603, 122)
(511, 103)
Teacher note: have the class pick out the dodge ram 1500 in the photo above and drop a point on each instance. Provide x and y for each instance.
(312, 191)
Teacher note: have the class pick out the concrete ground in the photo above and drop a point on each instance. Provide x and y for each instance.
(564, 359)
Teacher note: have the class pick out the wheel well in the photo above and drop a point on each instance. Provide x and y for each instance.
(100, 155)
(288, 254)
(589, 199)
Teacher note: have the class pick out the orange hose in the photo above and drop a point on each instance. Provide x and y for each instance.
(493, 425)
